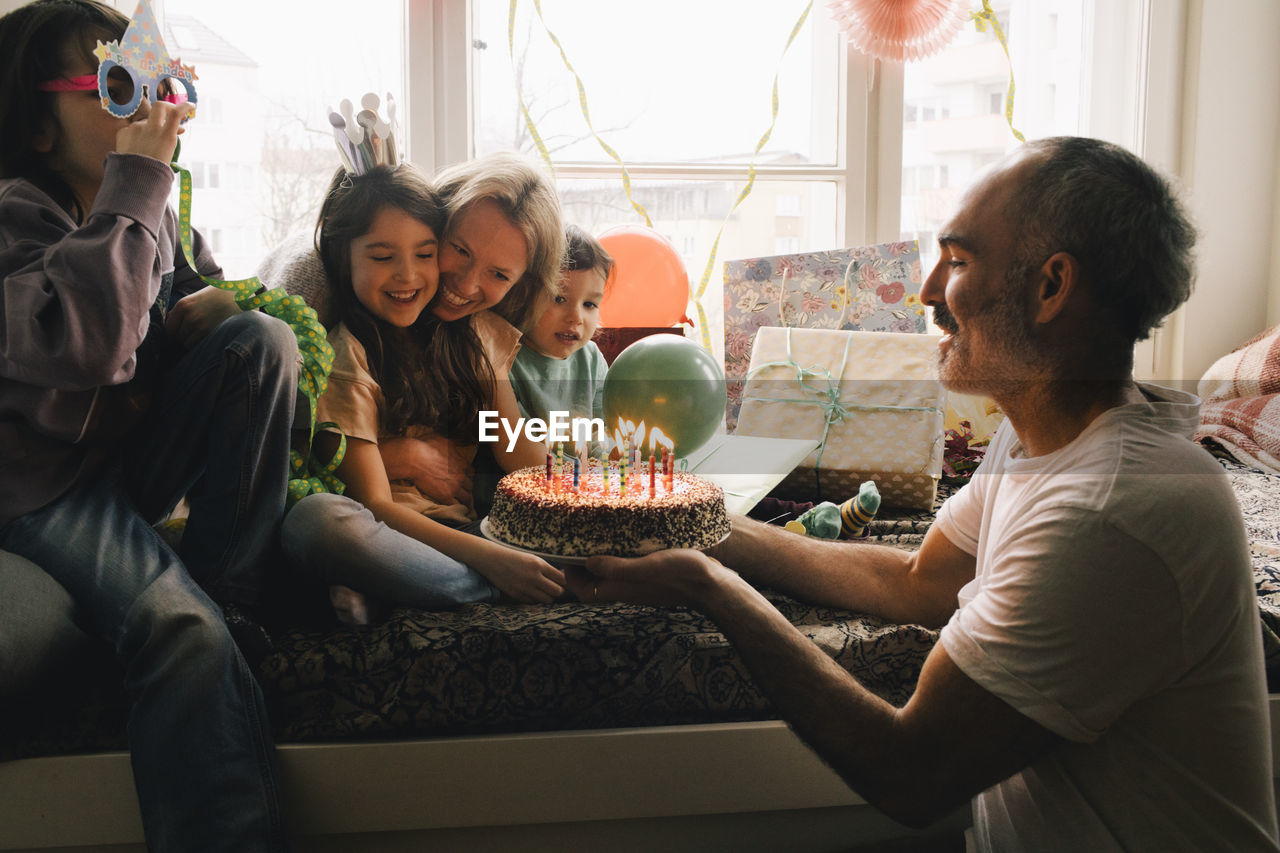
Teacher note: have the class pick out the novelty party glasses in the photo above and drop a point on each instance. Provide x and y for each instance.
(121, 90)
(140, 55)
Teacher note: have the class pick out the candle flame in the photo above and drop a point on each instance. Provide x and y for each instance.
(657, 438)
(638, 440)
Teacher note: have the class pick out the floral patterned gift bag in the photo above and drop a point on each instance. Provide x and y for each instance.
(871, 288)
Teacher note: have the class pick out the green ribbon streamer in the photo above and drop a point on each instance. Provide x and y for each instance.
(306, 473)
(828, 397)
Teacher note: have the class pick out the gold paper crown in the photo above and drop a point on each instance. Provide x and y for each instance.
(364, 139)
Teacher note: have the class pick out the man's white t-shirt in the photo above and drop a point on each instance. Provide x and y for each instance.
(1114, 604)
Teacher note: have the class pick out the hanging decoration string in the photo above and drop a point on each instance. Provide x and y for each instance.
(982, 20)
(586, 113)
(306, 473)
(698, 294)
(524, 110)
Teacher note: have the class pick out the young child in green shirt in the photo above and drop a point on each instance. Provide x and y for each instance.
(559, 367)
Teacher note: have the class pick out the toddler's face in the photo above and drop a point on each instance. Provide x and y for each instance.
(570, 318)
(393, 267)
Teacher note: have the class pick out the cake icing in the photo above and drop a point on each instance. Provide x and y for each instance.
(528, 514)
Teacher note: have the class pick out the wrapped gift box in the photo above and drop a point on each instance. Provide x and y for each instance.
(868, 288)
(871, 399)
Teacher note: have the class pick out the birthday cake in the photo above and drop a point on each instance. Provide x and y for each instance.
(682, 511)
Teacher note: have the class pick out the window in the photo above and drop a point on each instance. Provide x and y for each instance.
(261, 148)
(860, 152)
(787, 204)
(684, 107)
(1051, 61)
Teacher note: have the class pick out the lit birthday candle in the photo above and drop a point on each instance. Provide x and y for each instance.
(559, 476)
(547, 484)
(626, 460)
(638, 448)
(604, 472)
(657, 438)
(577, 462)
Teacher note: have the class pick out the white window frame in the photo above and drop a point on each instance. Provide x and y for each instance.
(440, 119)
(868, 171)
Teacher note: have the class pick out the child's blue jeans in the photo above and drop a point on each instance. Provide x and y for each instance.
(203, 760)
(336, 540)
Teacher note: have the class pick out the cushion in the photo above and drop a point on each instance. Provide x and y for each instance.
(1241, 408)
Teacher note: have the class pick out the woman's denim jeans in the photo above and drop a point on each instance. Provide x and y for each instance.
(218, 430)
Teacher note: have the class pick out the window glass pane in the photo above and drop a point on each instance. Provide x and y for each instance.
(666, 80)
(779, 217)
(267, 76)
(955, 104)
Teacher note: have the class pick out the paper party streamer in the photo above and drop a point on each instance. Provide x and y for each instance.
(746, 190)
(698, 294)
(306, 473)
(582, 104)
(981, 20)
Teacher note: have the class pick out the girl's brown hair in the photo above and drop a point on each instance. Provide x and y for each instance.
(37, 41)
(433, 374)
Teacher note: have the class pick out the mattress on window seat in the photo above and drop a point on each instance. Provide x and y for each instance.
(490, 668)
(498, 668)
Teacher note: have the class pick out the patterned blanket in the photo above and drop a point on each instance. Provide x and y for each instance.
(491, 668)
(499, 668)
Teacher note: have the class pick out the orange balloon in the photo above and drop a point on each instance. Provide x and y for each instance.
(648, 285)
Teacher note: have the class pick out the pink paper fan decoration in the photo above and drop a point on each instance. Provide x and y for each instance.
(899, 30)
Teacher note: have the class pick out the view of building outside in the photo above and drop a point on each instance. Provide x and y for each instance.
(681, 92)
(261, 150)
(684, 99)
(954, 106)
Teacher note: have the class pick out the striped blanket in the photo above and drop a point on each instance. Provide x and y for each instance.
(1241, 408)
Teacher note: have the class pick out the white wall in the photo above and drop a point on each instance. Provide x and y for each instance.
(1273, 303)
(1231, 133)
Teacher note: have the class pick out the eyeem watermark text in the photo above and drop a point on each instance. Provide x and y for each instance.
(559, 427)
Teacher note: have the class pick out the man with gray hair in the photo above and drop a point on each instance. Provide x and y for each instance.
(1098, 681)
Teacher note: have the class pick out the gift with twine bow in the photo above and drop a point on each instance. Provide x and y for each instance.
(871, 399)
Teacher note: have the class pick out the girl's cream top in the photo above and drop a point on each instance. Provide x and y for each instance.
(354, 401)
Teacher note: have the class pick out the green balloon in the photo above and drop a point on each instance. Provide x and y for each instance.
(670, 383)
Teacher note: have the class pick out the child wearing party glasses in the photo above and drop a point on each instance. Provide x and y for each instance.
(126, 384)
